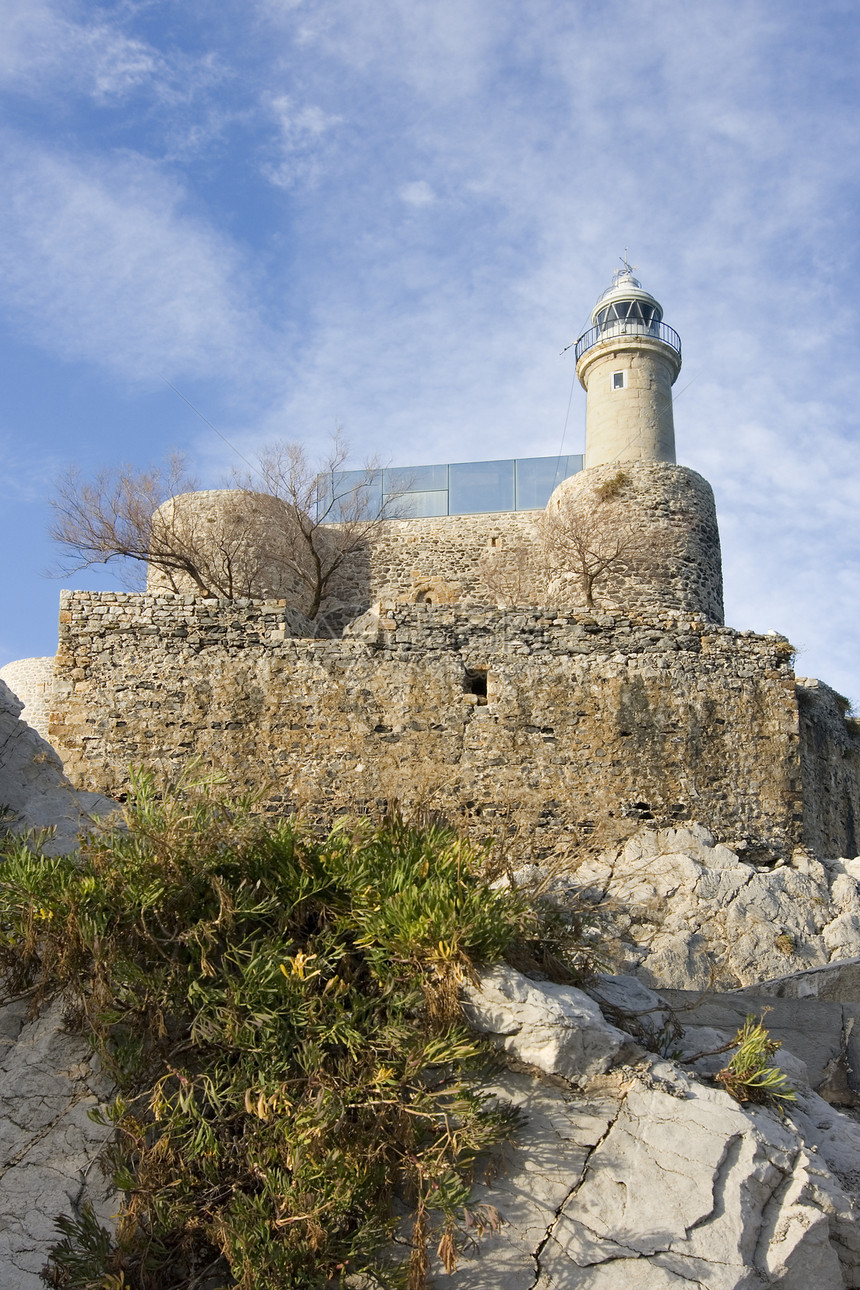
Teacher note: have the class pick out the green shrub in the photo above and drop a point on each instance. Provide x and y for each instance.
(280, 1014)
(750, 1076)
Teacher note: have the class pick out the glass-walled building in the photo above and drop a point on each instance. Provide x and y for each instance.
(459, 488)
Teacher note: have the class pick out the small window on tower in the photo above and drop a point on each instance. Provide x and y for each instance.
(619, 380)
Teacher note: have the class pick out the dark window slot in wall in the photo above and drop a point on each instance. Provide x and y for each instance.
(475, 682)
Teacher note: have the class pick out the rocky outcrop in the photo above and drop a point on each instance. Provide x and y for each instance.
(49, 1082)
(676, 908)
(48, 1077)
(649, 1177)
(559, 1030)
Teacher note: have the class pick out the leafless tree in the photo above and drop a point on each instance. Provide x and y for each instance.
(236, 537)
(596, 535)
(116, 515)
(328, 516)
(513, 573)
(286, 528)
(590, 536)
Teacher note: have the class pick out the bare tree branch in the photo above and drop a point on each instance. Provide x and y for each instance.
(328, 517)
(116, 515)
(593, 535)
(289, 536)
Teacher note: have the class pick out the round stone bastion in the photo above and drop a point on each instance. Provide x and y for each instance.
(644, 533)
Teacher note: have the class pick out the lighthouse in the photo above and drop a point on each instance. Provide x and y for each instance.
(627, 363)
(648, 525)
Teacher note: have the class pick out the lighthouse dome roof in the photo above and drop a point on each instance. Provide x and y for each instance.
(626, 288)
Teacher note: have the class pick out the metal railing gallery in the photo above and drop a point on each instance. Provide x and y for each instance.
(613, 330)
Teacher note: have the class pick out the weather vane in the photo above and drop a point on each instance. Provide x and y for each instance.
(627, 268)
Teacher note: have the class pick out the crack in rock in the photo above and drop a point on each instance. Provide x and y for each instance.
(43, 1133)
(583, 1173)
(725, 1165)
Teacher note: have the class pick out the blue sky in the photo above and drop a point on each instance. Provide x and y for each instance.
(393, 215)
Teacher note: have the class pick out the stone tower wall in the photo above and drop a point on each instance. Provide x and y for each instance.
(237, 537)
(635, 423)
(438, 560)
(31, 680)
(666, 516)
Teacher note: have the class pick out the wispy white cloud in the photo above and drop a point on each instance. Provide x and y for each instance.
(418, 193)
(26, 477)
(72, 48)
(435, 46)
(301, 143)
(101, 262)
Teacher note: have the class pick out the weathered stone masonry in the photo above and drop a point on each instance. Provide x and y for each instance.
(31, 679)
(582, 720)
(830, 755)
(438, 560)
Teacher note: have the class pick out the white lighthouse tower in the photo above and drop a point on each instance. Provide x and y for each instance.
(649, 524)
(627, 362)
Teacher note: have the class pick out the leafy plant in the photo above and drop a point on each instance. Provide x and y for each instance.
(750, 1076)
(280, 1014)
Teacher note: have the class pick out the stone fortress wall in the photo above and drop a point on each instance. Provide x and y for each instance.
(434, 560)
(830, 764)
(669, 510)
(571, 719)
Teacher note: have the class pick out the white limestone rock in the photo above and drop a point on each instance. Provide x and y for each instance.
(652, 1179)
(33, 787)
(49, 1080)
(683, 910)
(557, 1028)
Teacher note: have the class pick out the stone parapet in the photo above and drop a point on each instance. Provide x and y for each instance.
(549, 721)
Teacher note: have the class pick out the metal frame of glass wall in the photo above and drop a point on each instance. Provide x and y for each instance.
(458, 488)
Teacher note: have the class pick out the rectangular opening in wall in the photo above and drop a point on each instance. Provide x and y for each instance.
(619, 380)
(475, 682)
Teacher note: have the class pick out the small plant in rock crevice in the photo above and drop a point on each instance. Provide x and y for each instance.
(280, 1015)
(786, 943)
(750, 1076)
